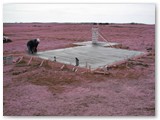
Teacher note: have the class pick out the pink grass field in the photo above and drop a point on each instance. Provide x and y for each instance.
(29, 90)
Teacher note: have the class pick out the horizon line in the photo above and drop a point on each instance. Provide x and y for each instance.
(100, 23)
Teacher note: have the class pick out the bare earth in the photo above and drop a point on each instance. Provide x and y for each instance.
(127, 90)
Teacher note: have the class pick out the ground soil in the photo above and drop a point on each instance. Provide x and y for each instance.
(52, 89)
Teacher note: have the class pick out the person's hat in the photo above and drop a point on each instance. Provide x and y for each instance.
(38, 39)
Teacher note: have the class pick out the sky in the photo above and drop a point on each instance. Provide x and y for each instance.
(105, 13)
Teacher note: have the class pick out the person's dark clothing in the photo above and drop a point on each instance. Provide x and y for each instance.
(32, 46)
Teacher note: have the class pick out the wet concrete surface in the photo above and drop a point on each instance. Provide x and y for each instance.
(92, 56)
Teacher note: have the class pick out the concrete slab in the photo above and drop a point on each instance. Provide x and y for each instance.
(104, 44)
(95, 56)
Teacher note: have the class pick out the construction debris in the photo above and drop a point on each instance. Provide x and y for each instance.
(6, 39)
(7, 60)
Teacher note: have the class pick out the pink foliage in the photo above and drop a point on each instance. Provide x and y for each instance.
(127, 91)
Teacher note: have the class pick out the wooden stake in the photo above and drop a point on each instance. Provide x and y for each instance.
(76, 70)
(41, 63)
(73, 69)
(62, 67)
(30, 61)
(20, 59)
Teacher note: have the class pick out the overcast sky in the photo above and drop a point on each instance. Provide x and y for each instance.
(111, 13)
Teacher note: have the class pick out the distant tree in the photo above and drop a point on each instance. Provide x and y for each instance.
(103, 23)
(133, 23)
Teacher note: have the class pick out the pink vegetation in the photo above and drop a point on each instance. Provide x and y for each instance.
(129, 89)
